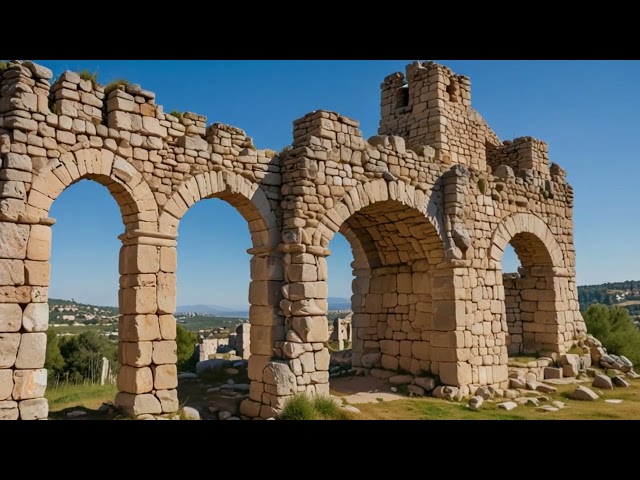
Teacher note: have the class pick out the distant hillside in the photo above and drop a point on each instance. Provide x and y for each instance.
(212, 310)
(335, 303)
(623, 294)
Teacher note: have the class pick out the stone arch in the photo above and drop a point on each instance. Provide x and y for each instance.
(374, 192)
(533, 311)
(266, 266)
(537, 243)
(246, 196)
(398, 301)
(124, 182)
(139, 215)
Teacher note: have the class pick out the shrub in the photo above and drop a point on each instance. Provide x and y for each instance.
(615, 329)
(115, 84)
(176, 114)
(186, 342)
(302, 407)
(90, 76)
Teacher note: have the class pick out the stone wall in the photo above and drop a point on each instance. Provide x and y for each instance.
(428, 206)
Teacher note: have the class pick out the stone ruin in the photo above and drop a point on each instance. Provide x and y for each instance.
(428, 206)
(341, 331)
(237, 343)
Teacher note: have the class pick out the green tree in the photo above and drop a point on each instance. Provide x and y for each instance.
(616, 330)
(186, 342)
(83, 355)
(54, 361)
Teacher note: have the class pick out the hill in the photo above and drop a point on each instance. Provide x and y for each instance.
(622, 294)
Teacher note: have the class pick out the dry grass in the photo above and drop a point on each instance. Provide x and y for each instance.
(436, 409)
(88, 396)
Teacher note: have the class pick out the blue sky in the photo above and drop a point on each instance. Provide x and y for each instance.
(586, 110)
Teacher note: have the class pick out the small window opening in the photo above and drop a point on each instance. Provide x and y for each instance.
(402, 97)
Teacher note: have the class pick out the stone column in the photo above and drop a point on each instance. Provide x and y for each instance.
(305, 307)
(148, 377)
(25, 246)
(267, 330)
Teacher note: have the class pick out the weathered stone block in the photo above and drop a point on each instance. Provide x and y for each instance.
(165, 377)
(311, 329)
(37, 273)
(35, 409)
(165, 352)
(36, 317)
(168, 400)
(456, 374)
(32, 350)
(9, 343)
(10, 318)
(141, 300)
(39, 245)
(135, 380)
(6, 384)
(280, 376)
(13, 240)
(167, 327)
(29, 384)
(138, 404)
(139, 328)
(9, 410)
(135, 354)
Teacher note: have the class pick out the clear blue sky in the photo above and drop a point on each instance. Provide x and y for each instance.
(586, 110)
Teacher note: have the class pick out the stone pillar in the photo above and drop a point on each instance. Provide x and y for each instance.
(266, 333)
(305, 308)
(25, 247)
(148, 378)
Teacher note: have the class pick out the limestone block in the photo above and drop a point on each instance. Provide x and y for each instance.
(37, 273)
(307, 361)
(456, 374)
(165, 377)
(265, 293)
(39, 245)
(6, 384)
(135, 380)
(141, 259)
(13, 240)
(322, 359)
(9, 410)
(166, 292)
(141, 300)
(168, 400)
(15, 161)
(33, 347)
(10, 318)
(9, 343)
(165, 352)
(36, 317)
(168, 259)
(138, 404)
(311, 329)
(135, 354)
(29, 384)
(280, 375)
(167, 327)
(11, 189)
(34, 409)
(139, 328)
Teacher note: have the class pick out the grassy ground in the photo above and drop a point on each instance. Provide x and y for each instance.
(87, 396)
(92, 396)
(436, 409)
